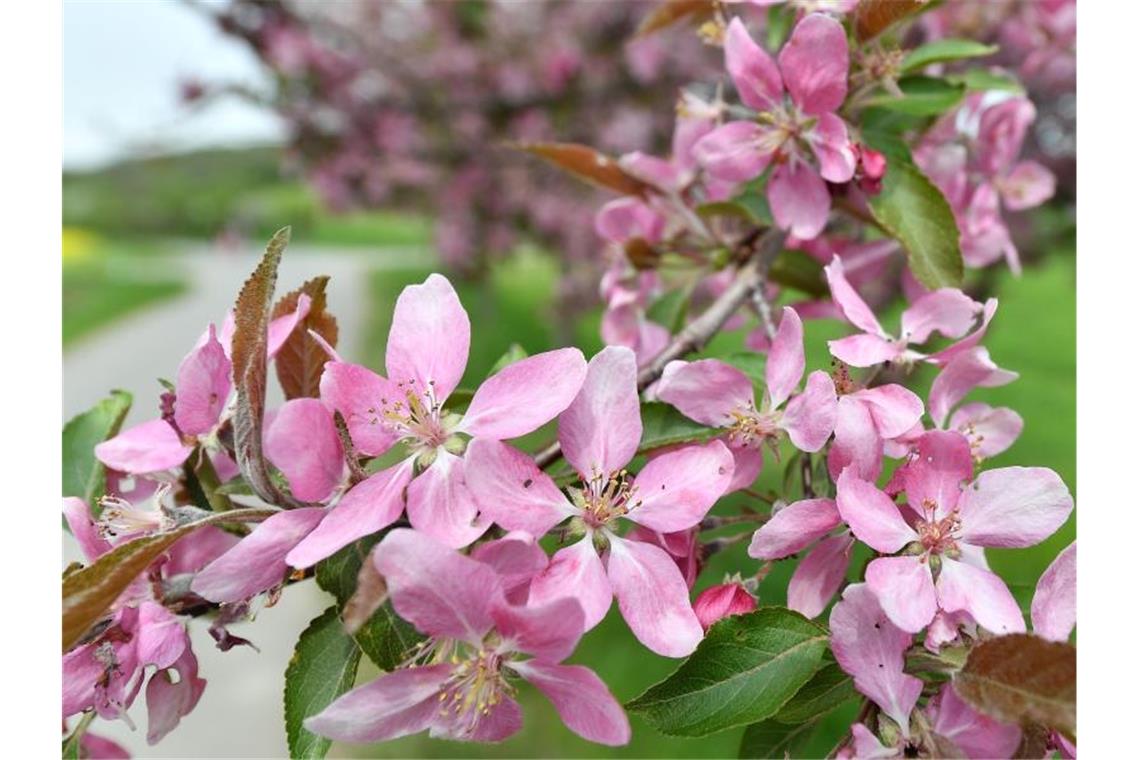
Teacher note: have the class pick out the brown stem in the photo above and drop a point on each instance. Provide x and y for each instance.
(701, 330)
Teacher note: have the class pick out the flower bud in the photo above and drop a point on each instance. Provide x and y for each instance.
(720, 601)
(872, 165)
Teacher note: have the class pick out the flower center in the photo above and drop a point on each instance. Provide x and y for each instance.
(939, 536)
(121, 518)
(749, 427)
(975, 438)
(417, 419)
(476, 686)
(607, 498)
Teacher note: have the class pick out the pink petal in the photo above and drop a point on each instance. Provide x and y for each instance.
(429, 338)
(874, 518)
(1054, 608)
(517, 558)
(101, 748)
(414, 566)
(549, 632)
(601, 429)
(937, 473)
(814, 64)
(369, 506)
(195, 551)
(676, 490)
(753, 71)
(1014, 507)
(868, 746)
(161, 636)
(990, 431)
(1029, 184)
(148, 447)
(870, 648)
(736, 152)
(303, 443)
(583, 702)
(857, 442)
(202, 387)
(810, 417)
(977, 735)
(894, 409)
(854, 308)
(747, 462)
(396, 704)
(525, 395)
(865, 350)
(832, 147)
(983, 594)
(707, 391)
(359, 394)
(86, 533)
(281, 328)
(499, 722)
(625, 218)
(656, 171)
(948, 311)
(511, 490)
(167, 701)
(905, 590)
(257, 563)
(653, 597)
(793, 528)
(819, 575)
(441, 506)
(799, 200)
(576, 572)
(964, 372)
(785, 364)
(971, 340)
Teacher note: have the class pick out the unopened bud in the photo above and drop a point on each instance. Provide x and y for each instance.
(872, 165)
(720, 601)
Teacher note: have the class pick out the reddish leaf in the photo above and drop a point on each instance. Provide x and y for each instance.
(301, 358)
(874, 16)
(671, 11)
(1023, 679)
(588, 164)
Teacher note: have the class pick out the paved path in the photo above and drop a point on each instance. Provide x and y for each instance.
(240, 712)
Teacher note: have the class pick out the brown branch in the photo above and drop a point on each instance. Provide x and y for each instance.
(701, 330)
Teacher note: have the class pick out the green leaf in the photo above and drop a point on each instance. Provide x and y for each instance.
(514, 353)
(777, 29)
(828, 689)
(88, 593)
(922, 96)
(772, 739)
(1023, 679)
(981, 80)
(743, 672)
(322, 668)
(797, 269)
(385, 637)
(914, 212)
(84, 475)
(670, 309)
(942, 51)
(662, 425)
(71, 744)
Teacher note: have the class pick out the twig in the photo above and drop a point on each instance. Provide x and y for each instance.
(356, 472)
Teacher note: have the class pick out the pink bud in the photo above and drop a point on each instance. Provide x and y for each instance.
(872, 166)
(723, 600)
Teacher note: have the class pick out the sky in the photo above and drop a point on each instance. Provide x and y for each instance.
(123, 61)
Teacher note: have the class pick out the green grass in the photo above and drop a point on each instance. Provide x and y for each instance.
(1033, 333)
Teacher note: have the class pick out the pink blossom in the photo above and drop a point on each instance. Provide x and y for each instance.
(714, 393)
(600, 432)
(942, 564)
(721, 601)
(684, 546)
(456, 684)
(426, 356)
(626, 292)
(865, 421)
(812, 71)
(1054, 607)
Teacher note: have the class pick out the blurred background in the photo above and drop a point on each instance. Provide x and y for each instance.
(380, 131)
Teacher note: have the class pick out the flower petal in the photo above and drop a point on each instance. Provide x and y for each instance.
(369, 506)
(511, 490)
(257, 563)
(799, 200)
(549, 632)
(202, 387)
(810, 417)
(905, 590)
(964, 372)
(429, 338)
(525, 395)
(971, 340)
(161, 638)
(601, 429)
(576, 571)
(735, 152)
(754, 73)
(832, 146)
(785, 364)
(167, 701)
(281, 328)
(583, 702)
(819, 575)
(707, 391)
(148, 447)
(86, 533)
(677, 489)
(814, 64)
(975, 734)
(857, 442)
(793, 528)
(517, 558)
(893, 408)
(1029, 184)
(1014, 507)
(396, 704)
(854, 308)
(961, 586)
(1054, 608)
(864, 350)
(302, 442)
(937, 473)
(653, 597)
(440, 504)
(990, 431)
(948, 311)
(747, 462)
(360, 395)
(874, 518)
